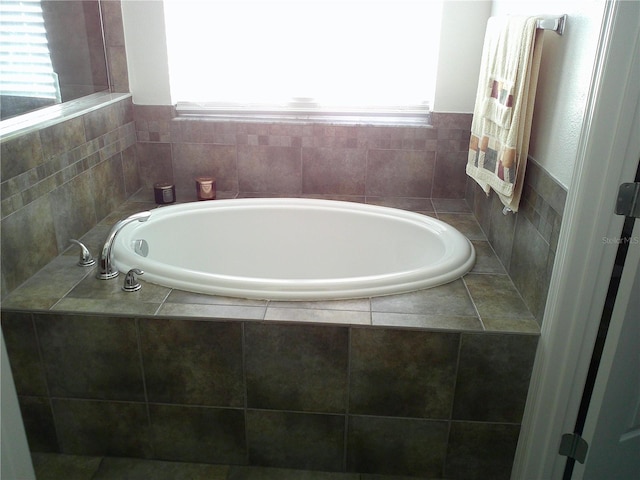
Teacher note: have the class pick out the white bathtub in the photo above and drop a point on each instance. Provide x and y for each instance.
(292, 249)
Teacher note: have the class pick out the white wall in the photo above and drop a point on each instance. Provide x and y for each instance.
(145, 41)
(461, 45)
(461, 40)
(565, 78)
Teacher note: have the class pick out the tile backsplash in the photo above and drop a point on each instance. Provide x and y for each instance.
(299, 159)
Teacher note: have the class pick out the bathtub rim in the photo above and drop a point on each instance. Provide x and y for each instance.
(301, 289)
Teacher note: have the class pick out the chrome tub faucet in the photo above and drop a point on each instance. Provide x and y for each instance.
(106, 267)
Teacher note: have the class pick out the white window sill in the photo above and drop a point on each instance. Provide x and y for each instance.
(388, 117)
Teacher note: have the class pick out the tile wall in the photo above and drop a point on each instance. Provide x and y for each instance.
(295, 159)
(58, 182)
(525, 242)
(358, 162)
(383, 400)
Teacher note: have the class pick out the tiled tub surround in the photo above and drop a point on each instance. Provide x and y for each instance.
(297, 159)
(427, 384)
(525, 242)
(59, 182)
(362, 163)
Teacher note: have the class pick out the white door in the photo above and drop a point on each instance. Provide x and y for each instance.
(612, 427)
(612, 423)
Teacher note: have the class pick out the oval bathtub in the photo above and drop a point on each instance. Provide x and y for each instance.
(292, 249)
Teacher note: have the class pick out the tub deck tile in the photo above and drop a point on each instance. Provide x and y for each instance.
(496, 296)
(52, 282)
(465, 223)
(212, 311)
(511, 325)
(359, 304)
(450, 205)
(180, 296)
(449, 299)
(403, 203)
(486, 259)
(343, 317)
(92, 288)
(109, 307)
(24, 301)
(431, 322)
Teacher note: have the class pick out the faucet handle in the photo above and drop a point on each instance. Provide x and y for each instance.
(86, 260)
(131, 283)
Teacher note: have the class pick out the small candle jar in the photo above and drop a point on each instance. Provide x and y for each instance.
(164, 193)
(206, 188)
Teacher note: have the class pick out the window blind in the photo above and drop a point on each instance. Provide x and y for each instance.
(25, 61)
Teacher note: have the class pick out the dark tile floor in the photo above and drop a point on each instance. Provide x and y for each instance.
(49, 466)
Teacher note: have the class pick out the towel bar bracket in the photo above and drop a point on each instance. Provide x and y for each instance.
(556, 24)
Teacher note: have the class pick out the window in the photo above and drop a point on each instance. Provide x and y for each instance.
(305, 57)
(25, 61)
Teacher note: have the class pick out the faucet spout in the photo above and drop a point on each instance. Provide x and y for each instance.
(107, 268)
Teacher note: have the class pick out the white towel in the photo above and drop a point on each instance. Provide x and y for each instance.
(504, 106)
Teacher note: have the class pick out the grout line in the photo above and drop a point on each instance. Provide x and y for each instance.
(473, 302)
(46, 380)
(90, 272)
(157, 312)
(143, 373)
(97, 470)
(453, 400)
(347, 401)
(245, 393)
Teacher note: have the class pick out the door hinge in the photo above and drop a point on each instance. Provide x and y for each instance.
(628, 203)
(573, 446)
